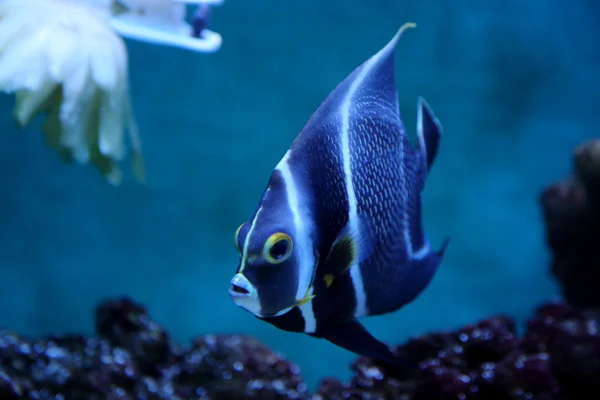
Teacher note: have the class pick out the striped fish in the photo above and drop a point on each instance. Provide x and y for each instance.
(337, 234)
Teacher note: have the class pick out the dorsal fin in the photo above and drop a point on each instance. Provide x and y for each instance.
(375, 77)
(429, 131)
(372, 81)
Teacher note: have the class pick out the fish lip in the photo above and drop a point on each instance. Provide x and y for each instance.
(241, 288)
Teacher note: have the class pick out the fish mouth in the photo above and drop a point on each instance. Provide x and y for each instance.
(238, 290)
(241, 288)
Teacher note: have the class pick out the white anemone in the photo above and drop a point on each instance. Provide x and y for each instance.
(64, 60)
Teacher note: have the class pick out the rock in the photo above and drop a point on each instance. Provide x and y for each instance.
(557, 358)
(571, 209)
(133, 358)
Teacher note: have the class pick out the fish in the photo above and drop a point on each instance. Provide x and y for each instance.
(337, 234)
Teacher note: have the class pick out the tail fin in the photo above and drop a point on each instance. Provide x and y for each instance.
(429, 131)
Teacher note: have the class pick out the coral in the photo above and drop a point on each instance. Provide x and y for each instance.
(133, 358)
(571, 210)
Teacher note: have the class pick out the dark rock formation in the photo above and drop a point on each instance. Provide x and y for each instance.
(558, 356)
(134, 359)
(571, 209)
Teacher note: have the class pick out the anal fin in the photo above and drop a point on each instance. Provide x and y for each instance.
(351, 335)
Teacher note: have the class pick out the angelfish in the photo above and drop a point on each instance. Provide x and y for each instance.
(337, 234)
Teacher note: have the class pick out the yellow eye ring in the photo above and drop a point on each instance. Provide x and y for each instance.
(236, 237)
(277, 248)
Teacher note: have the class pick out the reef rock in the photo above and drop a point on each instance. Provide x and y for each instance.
(571, 210)
(133, 359)
(557, 358)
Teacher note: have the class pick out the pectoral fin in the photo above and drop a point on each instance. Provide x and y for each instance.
(354, 244)
(351, 335)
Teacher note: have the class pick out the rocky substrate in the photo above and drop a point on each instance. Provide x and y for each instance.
(557, 356)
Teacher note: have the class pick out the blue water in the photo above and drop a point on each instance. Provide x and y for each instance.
(514, 83)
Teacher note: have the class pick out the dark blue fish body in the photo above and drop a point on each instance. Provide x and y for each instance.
(338, 233)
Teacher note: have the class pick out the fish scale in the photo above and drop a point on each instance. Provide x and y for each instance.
(326, 179)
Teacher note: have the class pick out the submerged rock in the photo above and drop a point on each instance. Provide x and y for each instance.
(557, 357)
(571, 209)
(133, 359)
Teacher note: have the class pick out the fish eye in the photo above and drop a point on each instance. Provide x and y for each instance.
(236, 242)
(278, 248)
